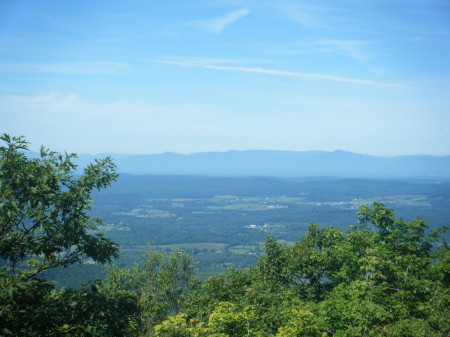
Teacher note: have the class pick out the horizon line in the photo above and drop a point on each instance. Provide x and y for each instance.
(248, 150)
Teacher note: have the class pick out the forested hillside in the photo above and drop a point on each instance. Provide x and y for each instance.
(382, 276)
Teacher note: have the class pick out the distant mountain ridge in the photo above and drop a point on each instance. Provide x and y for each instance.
(281, 164)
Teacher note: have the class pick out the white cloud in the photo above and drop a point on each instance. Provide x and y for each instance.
(307, 15)
(354, 49)
(101, 67)
(275, 72)
(216, 25)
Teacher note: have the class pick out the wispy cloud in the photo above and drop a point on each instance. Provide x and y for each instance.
(101, 67)
(274, 72)
(216, 25)
(307, 15)
(354, 49)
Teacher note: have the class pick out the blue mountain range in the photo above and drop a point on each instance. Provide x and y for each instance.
(282, 164)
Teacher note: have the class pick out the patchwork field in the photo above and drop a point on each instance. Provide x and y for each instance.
(224, 223)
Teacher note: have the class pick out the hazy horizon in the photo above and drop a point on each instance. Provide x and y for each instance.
(133, 77)
(32, 148)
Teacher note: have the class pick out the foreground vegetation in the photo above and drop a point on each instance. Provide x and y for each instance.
(382, 277)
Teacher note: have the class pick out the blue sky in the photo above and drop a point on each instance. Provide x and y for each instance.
(135, 76)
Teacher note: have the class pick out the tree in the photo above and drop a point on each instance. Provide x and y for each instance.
(387, 278)
(44, 223)
(226, 320)
(33, 308)
(382, 277)
(159, 285)
(44, 220)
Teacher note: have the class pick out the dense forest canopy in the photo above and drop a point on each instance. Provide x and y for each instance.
(384, 276)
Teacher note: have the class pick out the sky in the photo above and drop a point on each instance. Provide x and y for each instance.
(141, 77)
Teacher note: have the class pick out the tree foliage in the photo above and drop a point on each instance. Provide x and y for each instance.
(159, 285)
(33, 308)
(382, 277)
(45, 223)
(44, 220)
